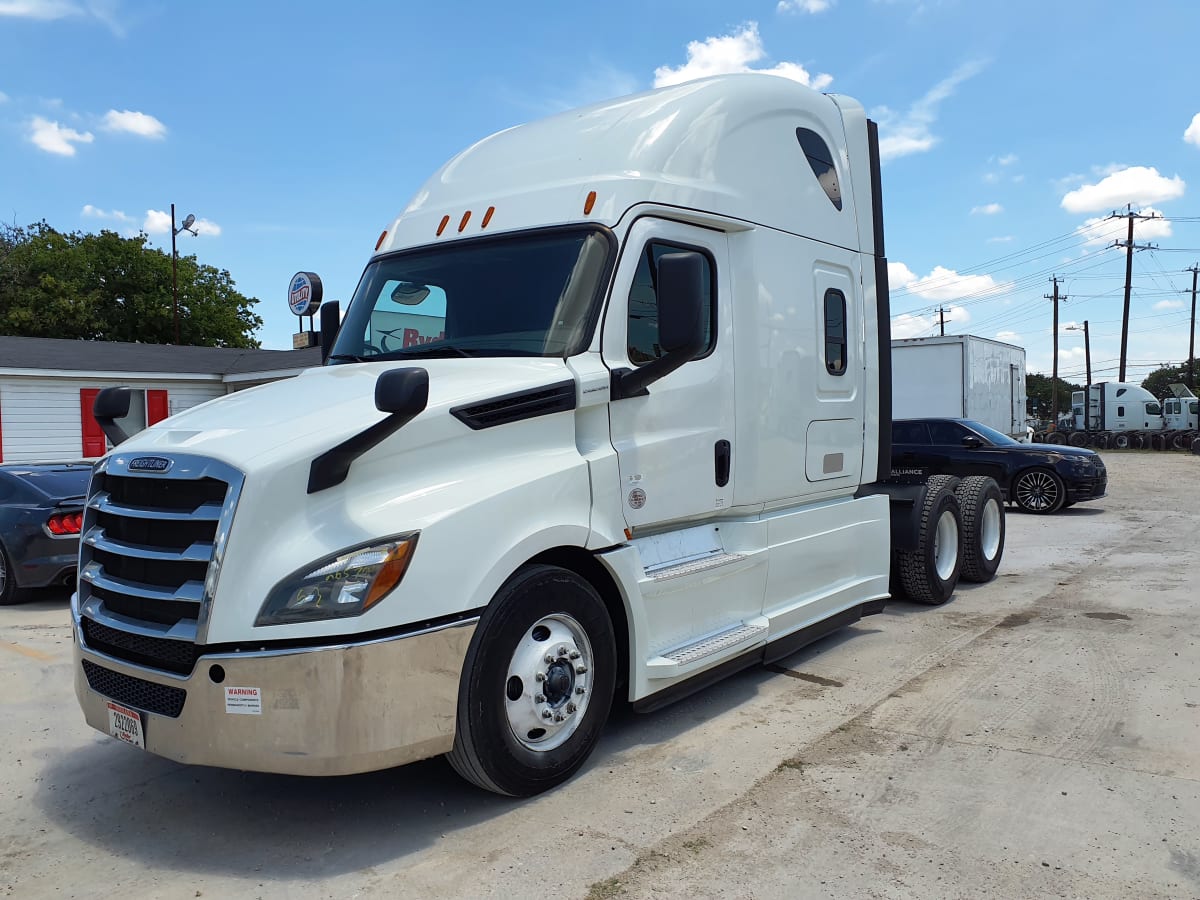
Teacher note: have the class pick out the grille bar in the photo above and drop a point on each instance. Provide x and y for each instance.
(189, 592)
(197, 552)
(207, 512)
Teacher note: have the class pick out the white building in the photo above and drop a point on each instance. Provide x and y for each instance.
(47, 387)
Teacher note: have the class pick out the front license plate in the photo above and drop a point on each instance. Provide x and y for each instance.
(125, 724)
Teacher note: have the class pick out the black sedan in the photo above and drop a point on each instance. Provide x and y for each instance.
(1039, 478)
(41, 510)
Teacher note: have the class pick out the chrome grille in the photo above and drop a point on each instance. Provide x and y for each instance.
(150, 555)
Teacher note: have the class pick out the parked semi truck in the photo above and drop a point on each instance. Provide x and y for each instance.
(1121, 416)
(960, 376)
(643, 442)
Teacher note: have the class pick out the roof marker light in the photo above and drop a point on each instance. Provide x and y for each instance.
(465, 219)
(442, 226)
(589, 203)
(487, 217)
(382, 235)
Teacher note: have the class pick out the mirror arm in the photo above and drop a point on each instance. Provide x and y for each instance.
(332, 466)
(634, 382)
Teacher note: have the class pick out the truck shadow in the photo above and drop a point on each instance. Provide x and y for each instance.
(205, 821)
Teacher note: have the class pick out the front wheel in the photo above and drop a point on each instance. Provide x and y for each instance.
(9, 592)
(537, 683)
(1039, 491)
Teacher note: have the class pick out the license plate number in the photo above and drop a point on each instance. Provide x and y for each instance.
(125, 724)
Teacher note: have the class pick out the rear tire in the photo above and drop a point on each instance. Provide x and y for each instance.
(526, 725)
(1055, 437)
(1078, 439)
(930, 573)
(9, 592)
(982, 507)
(1120, 441)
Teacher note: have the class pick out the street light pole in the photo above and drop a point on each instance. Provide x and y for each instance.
(186, 226)
(174, 274)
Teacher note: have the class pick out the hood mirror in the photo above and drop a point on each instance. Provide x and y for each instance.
(406, 293)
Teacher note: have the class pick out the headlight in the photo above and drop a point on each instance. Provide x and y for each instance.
(340, 586)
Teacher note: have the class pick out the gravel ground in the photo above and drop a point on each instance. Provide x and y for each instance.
(1036, 736)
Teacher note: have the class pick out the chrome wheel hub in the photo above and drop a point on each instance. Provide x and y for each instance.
(989, 529)
(945, 545)
(1037, 491)
(548, 684)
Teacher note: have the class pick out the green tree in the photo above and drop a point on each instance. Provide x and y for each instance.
(106, 287)
(1160, 380)
(1038, 394)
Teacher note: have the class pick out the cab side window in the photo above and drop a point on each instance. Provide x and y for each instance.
(643, 305)
(910, 433)
(947, 432)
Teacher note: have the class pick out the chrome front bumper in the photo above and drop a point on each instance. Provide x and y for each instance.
(336, 710)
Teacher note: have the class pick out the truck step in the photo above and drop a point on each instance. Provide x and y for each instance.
(692, 566)
(742, 636)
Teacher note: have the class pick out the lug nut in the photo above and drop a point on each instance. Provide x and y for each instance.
(562, 651)
(580, 670)
(579, 690)
(558, 717)
(574, 654)
(540, 676)
(549, 659)
(571, 707)
(546, 713)
(539, 698)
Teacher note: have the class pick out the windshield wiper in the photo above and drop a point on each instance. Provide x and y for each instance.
(350, 357)
(438, 349)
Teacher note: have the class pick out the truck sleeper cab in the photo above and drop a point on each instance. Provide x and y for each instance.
(603, 415)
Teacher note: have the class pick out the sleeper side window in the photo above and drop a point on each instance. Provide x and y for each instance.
(835, 332)
(820, 160)
(1120, 412)
(643, 304)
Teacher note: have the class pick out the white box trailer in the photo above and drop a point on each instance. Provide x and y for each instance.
(960, 376)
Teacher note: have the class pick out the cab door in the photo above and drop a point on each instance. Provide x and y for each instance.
(674, 444)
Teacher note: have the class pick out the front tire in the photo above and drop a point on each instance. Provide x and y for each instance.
(1039, 491)
(982, 507)
(9, 592)
(537, 684)
(930, 573)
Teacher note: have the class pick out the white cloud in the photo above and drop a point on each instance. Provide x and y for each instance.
(808, 6)
(910, 132)
(943, 283)
(55, 138)
(1002, 239)
(42, 10)
(1165, 305)
(1103, 230)
(1008, 159)
(138, 123)
(1139, 185)
(94, 212)
(1009, 336)
(1192, 135)
(159, 222)
(3, 97)
(988, 209)
(732, 53)
(907, 325)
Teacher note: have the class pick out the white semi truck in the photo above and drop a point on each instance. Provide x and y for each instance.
(639, 442)
(960, 376)
(1111, 414)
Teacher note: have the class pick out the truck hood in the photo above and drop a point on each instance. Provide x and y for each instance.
(321, 407)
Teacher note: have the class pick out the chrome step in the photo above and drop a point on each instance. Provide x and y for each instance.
(692, 566)
(676, 662)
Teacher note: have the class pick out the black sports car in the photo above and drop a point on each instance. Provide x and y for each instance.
(41, 510)
(1039, 478)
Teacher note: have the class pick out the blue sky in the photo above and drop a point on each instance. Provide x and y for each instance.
(295, 131)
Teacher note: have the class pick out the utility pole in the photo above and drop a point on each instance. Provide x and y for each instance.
(942, 319)
(174, 274)
(1087, 357)
(1054, 378)
(1192, 331)
(1129, 248)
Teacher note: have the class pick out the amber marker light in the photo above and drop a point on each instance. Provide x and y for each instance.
(465, 219)
(390, 573)
(382, 235)
(487, 217)
(442, 227)
(589, 203)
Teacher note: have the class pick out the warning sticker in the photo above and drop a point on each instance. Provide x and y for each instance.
(245, 701)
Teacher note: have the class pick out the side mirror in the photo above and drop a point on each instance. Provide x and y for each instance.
(402, 391)
(971, 442)
(110, 404)
(680, 323)
(331, 322)
(403, 395)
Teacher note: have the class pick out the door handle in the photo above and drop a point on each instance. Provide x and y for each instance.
(722, 454)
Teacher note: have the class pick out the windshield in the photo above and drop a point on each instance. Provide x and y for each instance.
(535, 294)
(999, 438)
(1153, 409)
